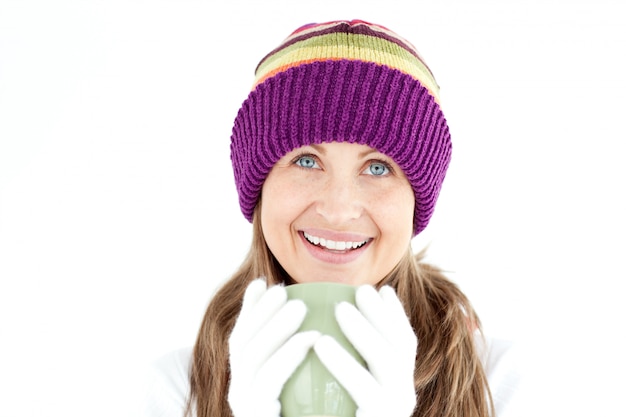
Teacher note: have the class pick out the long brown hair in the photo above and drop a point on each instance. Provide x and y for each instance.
(449, 377)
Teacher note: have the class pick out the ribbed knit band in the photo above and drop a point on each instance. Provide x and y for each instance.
(345, 82)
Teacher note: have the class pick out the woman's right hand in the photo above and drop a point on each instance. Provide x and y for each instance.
(265, 349)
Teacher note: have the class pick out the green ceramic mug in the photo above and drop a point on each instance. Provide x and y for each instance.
(312, 390)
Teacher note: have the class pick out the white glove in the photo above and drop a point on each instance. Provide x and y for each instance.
(381, 332)
(264, 351)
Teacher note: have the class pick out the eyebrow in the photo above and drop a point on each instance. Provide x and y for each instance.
(318, 148)
(363, 154)
(367, 152)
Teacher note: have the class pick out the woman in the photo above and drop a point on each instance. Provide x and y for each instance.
(339, 154)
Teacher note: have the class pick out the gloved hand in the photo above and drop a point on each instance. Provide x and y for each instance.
(264, 349)
(381, 332)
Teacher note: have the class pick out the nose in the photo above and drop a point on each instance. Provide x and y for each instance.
(340, 200)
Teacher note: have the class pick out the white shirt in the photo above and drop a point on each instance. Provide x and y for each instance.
(167, 386)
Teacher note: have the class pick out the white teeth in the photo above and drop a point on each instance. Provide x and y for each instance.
(331, 244)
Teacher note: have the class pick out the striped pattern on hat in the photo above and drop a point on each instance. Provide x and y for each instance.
(343, 81)
(330, 41)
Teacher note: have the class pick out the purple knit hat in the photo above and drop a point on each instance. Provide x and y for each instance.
(344, 81)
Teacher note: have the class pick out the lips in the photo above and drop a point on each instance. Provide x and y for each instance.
(339, 245)
(335, 248)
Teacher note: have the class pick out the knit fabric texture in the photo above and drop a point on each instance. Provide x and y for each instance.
(344, 81)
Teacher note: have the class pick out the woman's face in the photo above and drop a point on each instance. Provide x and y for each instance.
(338, 212)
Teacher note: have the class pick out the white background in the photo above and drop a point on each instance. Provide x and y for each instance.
(119, 217)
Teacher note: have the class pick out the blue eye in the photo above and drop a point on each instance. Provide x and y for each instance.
(378, 169)
(306, 161)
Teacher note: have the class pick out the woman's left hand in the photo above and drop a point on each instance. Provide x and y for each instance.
(381, 332)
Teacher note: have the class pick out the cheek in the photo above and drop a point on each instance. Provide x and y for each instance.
(407, 202)
(396, 228)
(280, 200)
(271, 193)
(394, 211)
(283, 201)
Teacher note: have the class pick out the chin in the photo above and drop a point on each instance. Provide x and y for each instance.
(335, 277)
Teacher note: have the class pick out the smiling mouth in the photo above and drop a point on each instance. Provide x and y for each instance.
(334, 245)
